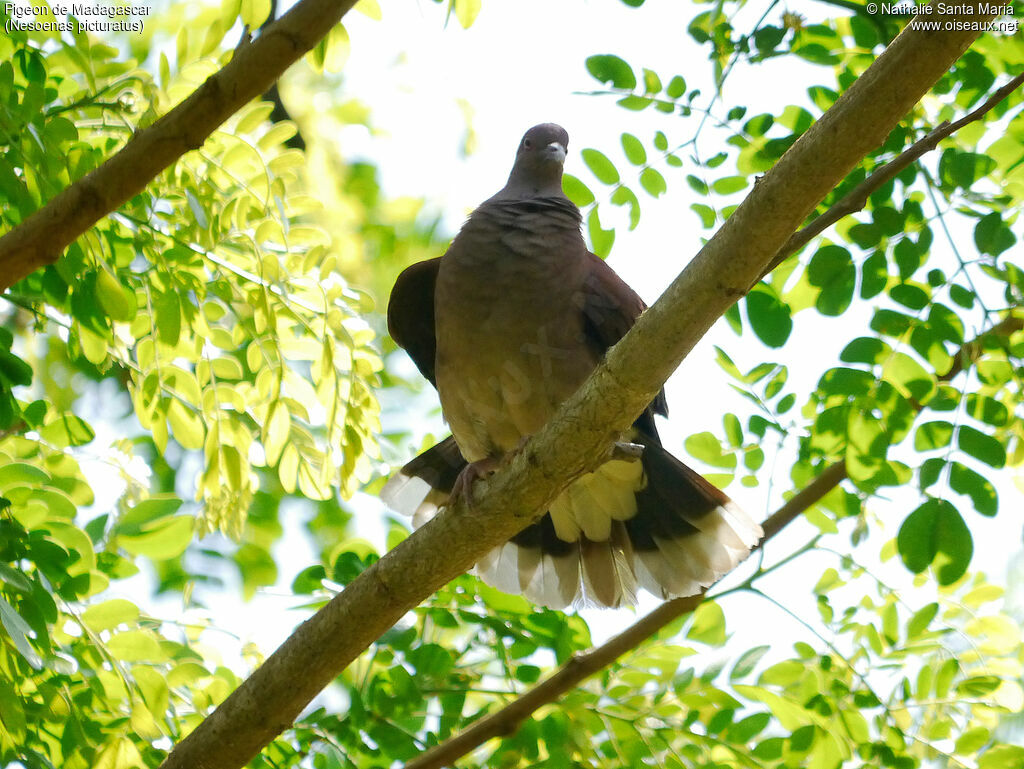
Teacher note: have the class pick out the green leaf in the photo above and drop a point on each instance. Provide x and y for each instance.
(733, 429)
(167, 308)
(746, 728)
(908, 376)
(978, 686)
(921, 620)
(982, 447)
(15, 579)
(708, 624)
(19, 631)
(946, 324)
(707, 448)
(829, 580)
(706, 214)
(987, 410)
(67, 430)
(1002, 757)
(186, 424)
(608, 68)
(634, 149)
(20, 473)
(992, 235)
(276, 430)
(157, 507)
(908, 256)
(962, 296)
(635, 103)
(831, 269)
(254, 12)
(334, 49)
(135, 646)
(118, 301)
(747, 662)
(578, 192)
(600, 166)
(697, 184)
(14, 370)
(935, 533)
(964, 480)
(759, 124)
(600, 238)
(972, 740)
(727, 185)
(874, 275)
(865, 349)
(933, 435)
(163, 539)
(769, 316)
(118, 753)
(256, 567)
(109, 614)
(624, 196)
(653, 182)
(466, 12)
(676, 88)
(962, 169)
(909, 295)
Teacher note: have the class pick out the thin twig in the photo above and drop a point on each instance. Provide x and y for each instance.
(970, 351)
(857, 198)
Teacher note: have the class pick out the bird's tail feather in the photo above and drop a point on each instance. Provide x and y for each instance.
(655, 524)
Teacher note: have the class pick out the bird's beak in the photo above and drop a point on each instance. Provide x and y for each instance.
(556, 152)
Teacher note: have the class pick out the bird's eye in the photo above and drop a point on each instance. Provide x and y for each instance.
(527, 144)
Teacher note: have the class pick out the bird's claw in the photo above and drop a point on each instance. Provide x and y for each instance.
(463, 486)
(625, 450)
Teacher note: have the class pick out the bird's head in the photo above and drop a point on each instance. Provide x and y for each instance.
(539, 159)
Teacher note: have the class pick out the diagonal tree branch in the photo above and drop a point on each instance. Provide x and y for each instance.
(581, 434)
(581, 667)
(256, 65)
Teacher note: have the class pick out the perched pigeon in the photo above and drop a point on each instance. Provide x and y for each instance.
(507, 325)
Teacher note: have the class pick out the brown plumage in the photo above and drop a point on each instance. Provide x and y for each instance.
(507, 324)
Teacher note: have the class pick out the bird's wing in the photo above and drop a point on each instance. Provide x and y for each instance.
(610, 308)
(411, 315)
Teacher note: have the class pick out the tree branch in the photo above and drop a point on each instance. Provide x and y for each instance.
(582, 666)
(41, 238)
(970, 351)
(857, 198)
(580, 435)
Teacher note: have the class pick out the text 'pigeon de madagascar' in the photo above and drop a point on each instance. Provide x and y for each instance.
(507, 325)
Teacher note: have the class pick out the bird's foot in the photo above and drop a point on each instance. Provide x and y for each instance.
(630, 452)
(463, 486)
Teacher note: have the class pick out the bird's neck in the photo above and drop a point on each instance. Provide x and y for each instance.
(520, 186)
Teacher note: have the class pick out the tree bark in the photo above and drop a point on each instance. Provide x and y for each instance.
(581, 434)
(256, 66)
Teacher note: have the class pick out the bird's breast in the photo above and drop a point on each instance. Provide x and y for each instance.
(510, 345)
